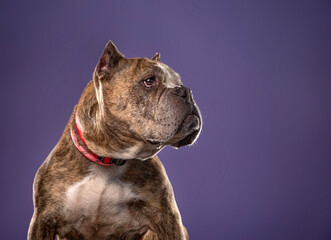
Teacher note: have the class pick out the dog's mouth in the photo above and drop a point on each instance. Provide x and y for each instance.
(189, 130)
(153, 142)
(193, 128)
(190, 124)
(185, 134)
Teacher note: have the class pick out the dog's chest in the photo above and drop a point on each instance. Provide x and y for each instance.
(100, 199)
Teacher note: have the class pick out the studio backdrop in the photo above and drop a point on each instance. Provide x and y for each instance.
(259, 70)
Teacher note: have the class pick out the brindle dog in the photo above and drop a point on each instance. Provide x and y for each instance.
(129, 111)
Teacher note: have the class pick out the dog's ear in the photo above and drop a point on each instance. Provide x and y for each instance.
(107, 65)
(156, 57)
(109, 59)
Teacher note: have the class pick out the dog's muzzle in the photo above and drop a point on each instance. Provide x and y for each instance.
(191, 125)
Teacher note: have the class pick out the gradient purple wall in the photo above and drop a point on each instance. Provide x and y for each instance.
(259, 70)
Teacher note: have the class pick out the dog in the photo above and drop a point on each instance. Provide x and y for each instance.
(103, 179)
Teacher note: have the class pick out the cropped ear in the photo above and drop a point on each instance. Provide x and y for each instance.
(108, 60)
(106, 66)
(156, 57)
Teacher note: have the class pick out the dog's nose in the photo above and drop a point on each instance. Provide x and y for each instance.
(183, 92)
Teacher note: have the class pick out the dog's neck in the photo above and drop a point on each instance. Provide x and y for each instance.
(76, 136)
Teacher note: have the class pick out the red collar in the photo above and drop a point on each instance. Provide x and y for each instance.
(105, 161)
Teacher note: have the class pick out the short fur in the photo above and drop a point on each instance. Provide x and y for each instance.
(121, 117)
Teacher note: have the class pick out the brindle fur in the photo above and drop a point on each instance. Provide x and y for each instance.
(113, 123)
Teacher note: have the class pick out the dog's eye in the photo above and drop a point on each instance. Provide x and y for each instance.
(150, 82)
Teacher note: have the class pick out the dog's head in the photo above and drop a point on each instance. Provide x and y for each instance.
(140, 107)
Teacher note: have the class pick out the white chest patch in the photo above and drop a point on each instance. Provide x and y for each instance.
(100, 197)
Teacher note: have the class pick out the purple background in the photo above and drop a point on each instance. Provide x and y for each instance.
(259, 70)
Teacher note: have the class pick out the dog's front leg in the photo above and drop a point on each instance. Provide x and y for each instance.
(150, 235)
(41, 229)
(186, 233)
(171, 230)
